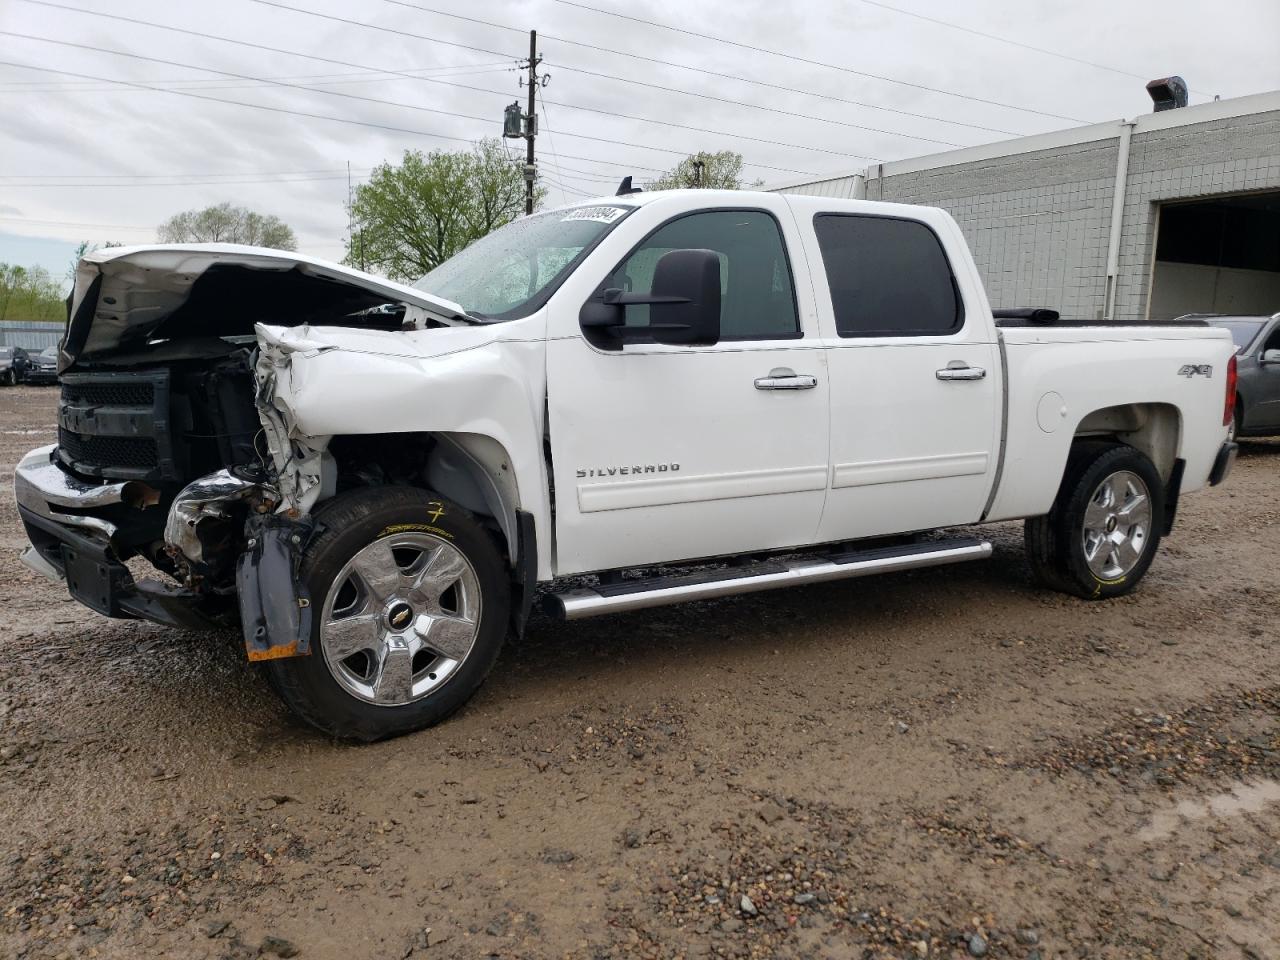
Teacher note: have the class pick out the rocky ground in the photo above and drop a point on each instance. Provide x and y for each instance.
(944, 764)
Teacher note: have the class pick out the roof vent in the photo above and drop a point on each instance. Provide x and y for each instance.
(1168, 93)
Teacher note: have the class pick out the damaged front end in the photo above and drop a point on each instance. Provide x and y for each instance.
(174, 446)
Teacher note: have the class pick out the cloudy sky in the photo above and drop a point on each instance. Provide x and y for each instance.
(802, 88)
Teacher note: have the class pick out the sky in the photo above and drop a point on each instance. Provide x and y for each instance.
(800, 89)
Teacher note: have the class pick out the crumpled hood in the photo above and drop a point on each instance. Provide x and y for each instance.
(128, 295)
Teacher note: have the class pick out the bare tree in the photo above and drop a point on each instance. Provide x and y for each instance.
(227, 224)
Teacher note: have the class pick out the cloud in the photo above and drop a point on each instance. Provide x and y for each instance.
(70, 147)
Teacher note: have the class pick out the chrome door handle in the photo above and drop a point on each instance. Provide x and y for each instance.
(957, 370)
(782, 378)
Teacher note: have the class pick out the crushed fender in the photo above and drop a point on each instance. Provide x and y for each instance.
(275, 606)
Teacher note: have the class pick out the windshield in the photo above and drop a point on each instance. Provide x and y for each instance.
(49, 353)
(511, 272)
(1242, 331)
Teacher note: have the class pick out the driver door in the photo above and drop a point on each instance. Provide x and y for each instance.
(673, 452)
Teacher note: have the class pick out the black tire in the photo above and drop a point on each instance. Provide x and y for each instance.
(10, 378)
(1055, 543)
(347, 524)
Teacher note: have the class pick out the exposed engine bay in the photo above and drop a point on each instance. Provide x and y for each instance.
(174, 447)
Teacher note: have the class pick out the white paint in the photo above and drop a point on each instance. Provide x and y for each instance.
(1050, 411)
(660, 491)
(909, 468)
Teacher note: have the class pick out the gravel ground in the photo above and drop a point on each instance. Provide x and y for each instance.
(947, 763)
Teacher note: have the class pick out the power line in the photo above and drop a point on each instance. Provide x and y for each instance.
(229, 85)
(240, 76)
(73, 223)
(175, 183)
(569, 106)
(786, 56)
(999, 39)
(169, 176)
(299, 113)
(684, 66)
(205, 36)
(379, 76)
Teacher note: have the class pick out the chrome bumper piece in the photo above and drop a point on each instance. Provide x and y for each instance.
(42, 487)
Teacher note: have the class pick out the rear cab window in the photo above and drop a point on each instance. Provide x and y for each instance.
(888, 277)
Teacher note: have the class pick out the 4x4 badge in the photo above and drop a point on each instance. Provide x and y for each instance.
(1190, 370)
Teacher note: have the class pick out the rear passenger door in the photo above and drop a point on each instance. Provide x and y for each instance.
(915, 383)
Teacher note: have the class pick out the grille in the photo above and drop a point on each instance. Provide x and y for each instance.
(109, 394)
(138, 453)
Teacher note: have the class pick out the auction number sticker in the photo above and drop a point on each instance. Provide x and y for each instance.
(594, 214)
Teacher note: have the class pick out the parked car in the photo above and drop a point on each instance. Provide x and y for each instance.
(1257, 341)
(777, 390)
(43, 367)
(13, 365)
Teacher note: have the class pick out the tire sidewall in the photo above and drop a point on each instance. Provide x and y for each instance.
(1070, 525)
(347, 524)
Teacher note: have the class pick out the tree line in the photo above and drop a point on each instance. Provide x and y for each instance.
(406, 220)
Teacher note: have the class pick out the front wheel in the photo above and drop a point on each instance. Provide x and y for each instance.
(1102, 533)
(412, 601)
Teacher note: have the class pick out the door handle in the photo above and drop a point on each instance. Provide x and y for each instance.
(959, 370)
(782, 378)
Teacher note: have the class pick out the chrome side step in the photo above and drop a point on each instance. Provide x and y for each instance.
(664, 591)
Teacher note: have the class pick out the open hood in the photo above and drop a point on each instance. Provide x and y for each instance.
(126, 297)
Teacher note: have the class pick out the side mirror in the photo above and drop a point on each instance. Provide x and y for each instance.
(684, 304)
(1270, 356)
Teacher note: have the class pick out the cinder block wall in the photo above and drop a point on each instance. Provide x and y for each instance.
(1037, 222)
(1233, 155)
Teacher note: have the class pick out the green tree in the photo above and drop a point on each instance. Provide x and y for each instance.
(83, 248)
(227, 224)
(720, 171)
(30, 293)
(408, 219)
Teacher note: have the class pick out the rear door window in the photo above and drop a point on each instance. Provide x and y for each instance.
(888, 277)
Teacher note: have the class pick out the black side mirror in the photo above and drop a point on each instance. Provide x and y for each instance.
(684, 304)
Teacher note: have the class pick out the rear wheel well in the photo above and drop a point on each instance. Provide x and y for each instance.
(1153, 428)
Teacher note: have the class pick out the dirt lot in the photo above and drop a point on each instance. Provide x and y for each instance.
(948, 763)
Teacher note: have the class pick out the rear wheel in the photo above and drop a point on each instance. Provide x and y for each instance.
(412, 600)
(1102, 533)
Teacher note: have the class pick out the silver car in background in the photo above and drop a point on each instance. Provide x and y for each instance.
(1257, 342)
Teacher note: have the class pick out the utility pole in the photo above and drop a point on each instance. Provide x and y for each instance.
(355, 235)
(698, 166)
(517, 125)
(531, 124)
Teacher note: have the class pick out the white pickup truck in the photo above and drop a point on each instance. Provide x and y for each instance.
(687, 394)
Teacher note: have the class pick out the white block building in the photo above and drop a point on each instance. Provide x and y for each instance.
(1175, 212)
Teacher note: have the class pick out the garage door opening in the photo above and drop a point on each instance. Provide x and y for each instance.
(1217, 256)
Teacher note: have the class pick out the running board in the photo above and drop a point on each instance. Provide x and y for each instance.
(768, 575)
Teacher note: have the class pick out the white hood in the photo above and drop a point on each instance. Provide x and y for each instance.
(134, 289)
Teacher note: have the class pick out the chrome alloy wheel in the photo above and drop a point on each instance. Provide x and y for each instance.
(400, 618)
(1117, 522)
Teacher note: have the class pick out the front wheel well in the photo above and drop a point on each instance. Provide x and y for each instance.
(472, 470)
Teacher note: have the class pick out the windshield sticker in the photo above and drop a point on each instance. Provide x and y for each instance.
(594, 214)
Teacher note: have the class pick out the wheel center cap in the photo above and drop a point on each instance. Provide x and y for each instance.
(1112, 523)
(399, 615)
